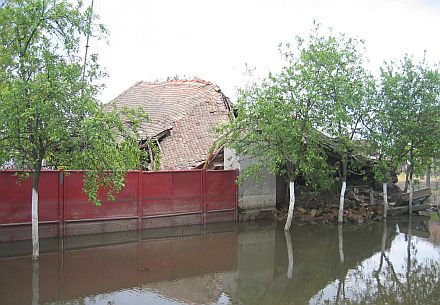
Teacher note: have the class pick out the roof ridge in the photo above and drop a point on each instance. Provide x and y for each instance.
(182, 81)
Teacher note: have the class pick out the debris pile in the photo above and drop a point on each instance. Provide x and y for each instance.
(324, 207)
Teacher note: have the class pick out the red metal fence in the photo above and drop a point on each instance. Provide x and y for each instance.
(149, 199)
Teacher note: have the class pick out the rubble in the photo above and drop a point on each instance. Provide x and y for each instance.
(324, 207)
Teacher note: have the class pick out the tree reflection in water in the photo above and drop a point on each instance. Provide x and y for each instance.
(252, 263)
(289, 253)
(412, 279)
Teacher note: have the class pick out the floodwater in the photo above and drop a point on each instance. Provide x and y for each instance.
(397, 262)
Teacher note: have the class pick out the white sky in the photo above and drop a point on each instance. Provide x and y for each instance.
(214, 39)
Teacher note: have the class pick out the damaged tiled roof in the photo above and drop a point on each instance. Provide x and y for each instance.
(189, 109)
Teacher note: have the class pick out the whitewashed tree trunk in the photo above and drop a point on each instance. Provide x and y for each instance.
(289, 254)
(291, 205)
(410, 200)
(341, 243)
(341, 202)
(35, 235)
(385, 199)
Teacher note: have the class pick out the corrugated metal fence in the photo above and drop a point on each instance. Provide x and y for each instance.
(149, 200)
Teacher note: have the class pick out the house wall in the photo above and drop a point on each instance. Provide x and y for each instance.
(256, 198)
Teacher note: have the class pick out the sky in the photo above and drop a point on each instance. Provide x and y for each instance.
(214, 40)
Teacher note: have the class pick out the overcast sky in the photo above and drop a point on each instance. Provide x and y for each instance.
(214, 39)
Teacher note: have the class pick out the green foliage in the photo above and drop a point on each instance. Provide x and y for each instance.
(48, 109)
(334, 77)
(280, 119)
(405, 125)
(285, 119)
(106, 149)
(324, 99)
(156, 155)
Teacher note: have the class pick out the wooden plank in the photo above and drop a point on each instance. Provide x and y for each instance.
(418, 197)
(404, 209)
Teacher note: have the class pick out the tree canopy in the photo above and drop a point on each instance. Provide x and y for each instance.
(325, 93)
(48, 106)
(49, 114)
(319, 93)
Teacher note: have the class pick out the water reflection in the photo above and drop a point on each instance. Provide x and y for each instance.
(253, 263)
(289, 253)
(434, 231)
(35, 282)
(408, 272)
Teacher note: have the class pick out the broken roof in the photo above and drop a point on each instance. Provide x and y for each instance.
(185, 111)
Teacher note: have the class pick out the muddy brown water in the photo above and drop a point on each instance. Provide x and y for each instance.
(397, 262)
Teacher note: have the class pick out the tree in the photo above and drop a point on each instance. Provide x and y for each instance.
(384, 143)
(341, 85)
(407, 118)
(285, 120)
(48, 111)
(380, 130)
(278, 120)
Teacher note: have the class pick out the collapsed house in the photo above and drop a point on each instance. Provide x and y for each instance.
(182, 117)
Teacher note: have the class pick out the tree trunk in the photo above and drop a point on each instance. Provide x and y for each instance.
(385, 199)
(35, 235)
(291, 204)
(410, 200)
(341, 202)
(428, 177)
(406, 179)
(289, 254)
(371, 196)
(343, 188)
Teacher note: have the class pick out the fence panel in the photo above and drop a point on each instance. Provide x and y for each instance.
(220, 190)
(187, 191)
(168, 193)
(78, 207)
(156, 193)
(15, 198)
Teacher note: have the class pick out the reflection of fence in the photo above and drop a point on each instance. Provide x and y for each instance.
(84, 266)
(149, 199)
